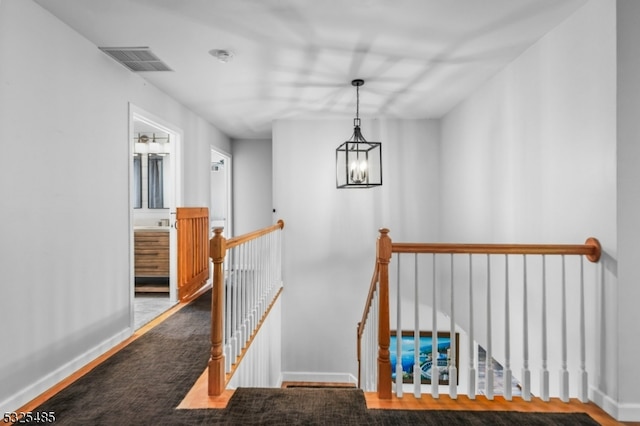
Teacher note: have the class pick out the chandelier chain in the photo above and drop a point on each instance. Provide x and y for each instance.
(358, 102)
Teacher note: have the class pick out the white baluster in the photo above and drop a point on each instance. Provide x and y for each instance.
(226, 335)
(272, 258)
(584, 384)
(435, 371)
(252, 287)
(260, 280)
(279, 259)
(237, 305)
(272, 264)
(507, 374)
(417, 371)
(472, 367)
(258, 299)
(372, 354)
(249, 287)
(230, 335)
(269, 263)
(265, 272)
(399, 372)
(489, 355)
(373, 350)
(229, 310)
(262, 300)
(526, 374)
(564, 374)
(364, 357)
(258, 284)
(237, 291)
(260, 378)
(453, 371)
(375, 331)
(226, 329)
(544, 374)
(244, 297)
(247, 291)
(367, 353)
(274, 254)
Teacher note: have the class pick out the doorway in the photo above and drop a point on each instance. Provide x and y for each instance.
(154, 189)
(220, 201)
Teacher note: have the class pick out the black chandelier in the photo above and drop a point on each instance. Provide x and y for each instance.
(358, 162)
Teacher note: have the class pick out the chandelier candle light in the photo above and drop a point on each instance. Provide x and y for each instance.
(358, 162)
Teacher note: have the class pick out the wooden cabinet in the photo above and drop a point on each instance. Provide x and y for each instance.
(151, 253)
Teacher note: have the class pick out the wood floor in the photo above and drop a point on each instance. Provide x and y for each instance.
(198, 396)
(481, 403)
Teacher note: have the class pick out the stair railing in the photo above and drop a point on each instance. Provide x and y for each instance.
(247, 282)
(455, 281)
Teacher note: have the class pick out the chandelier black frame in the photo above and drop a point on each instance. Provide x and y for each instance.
(358, 162)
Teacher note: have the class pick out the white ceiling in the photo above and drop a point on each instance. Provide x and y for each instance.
(296, 58)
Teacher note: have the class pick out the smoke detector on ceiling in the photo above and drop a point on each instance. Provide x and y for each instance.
(223, 55)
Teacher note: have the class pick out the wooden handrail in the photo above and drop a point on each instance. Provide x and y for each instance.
(591, 248)
(367, 305)
(236, 241)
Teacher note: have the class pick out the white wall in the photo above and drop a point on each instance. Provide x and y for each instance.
(64, 164)
(330, 234)
(531, 157)
(252, 185)
(199, 137)
(628, 315)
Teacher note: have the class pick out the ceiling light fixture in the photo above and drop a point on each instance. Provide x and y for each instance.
(145, 144)
(223, 55)
(358, 162)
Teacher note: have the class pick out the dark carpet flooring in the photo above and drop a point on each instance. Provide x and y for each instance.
(144, 382)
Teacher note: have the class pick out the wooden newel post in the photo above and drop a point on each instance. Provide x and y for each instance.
(384, 251)
(217, 251)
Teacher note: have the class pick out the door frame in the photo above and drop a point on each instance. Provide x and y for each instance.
(175, 195)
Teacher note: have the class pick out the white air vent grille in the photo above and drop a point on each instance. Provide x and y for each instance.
(136, 58)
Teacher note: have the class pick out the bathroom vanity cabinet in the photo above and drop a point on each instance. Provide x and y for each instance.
(151, 253)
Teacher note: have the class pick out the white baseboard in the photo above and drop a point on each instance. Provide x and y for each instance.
(23, 396)
(622, 412)
(294, 376)
(628, 412)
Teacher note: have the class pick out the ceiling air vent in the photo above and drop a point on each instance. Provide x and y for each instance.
(136, 58)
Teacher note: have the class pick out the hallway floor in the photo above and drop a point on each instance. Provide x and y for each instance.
(140, 383)
(148, 306)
